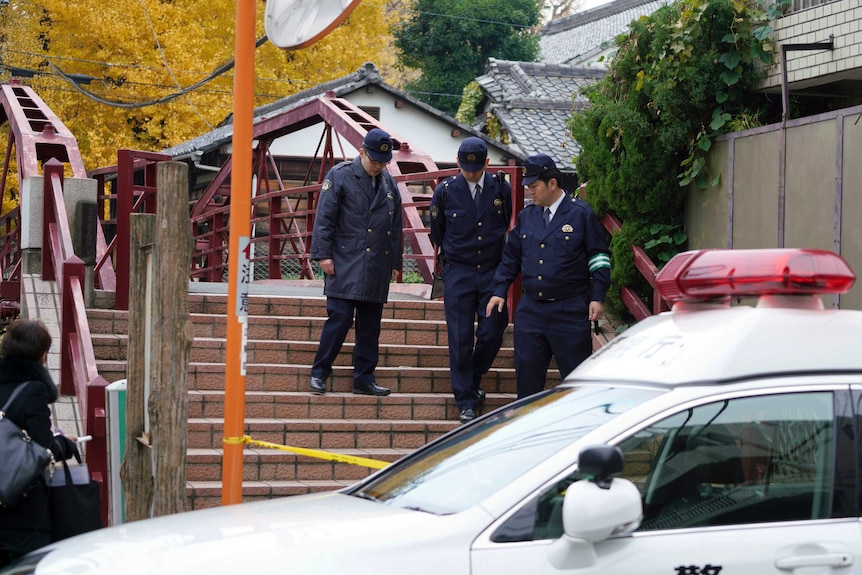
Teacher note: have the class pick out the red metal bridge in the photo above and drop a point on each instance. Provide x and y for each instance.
(43, 154)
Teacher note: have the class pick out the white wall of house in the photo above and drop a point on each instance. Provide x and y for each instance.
(843, 19)
(424, 132)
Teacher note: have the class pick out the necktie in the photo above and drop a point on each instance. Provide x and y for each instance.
(477, 196)
(547, 216)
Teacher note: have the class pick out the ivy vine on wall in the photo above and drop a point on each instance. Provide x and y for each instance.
(680, 77)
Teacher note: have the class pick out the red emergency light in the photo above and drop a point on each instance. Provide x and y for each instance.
(708, 274)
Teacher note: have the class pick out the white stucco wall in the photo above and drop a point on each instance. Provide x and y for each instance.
(421, 130)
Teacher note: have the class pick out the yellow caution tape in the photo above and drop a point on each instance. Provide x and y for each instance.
(319, 454)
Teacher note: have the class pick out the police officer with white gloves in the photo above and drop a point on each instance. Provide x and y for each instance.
(357, 239)
(559, 247)
(469, 218)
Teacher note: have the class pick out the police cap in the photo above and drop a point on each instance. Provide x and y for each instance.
(378, 145)
(537, 165)
(472, 154)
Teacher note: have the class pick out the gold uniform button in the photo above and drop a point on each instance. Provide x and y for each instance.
(367, 249)
(478, 252)
(479, 238)
(479, 224)
(541, 262)
(539, 278)
(454, 215)
(369, 230)
(389, 233)
(478, 266)
(542, 246)
(541, 294)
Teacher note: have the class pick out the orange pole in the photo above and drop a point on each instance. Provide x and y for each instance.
(238, 270)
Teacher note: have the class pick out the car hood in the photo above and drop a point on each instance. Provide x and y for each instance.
(305, 534)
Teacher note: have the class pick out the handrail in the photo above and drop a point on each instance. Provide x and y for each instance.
(78, 372)
(10, 264)
(643, 264)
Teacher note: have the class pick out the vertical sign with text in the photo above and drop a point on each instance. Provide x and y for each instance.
(242, 287)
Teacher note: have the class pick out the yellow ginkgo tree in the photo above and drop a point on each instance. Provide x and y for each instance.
(135, 59)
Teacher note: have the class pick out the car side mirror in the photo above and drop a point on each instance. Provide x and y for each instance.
(595, 508)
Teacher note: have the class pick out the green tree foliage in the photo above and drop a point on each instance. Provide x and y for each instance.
(450, 41)
(680, 77)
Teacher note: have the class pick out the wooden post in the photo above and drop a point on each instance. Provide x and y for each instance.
(137, 469)
(173, 333)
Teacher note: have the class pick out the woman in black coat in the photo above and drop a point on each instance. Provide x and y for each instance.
(23, 352)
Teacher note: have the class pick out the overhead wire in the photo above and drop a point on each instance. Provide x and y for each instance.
(168, 66)
(222, 69)
(130, 105)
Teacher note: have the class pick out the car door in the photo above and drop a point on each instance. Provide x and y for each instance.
(740, 484)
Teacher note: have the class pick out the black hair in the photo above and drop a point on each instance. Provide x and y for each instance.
(26, 340)
(552, 174)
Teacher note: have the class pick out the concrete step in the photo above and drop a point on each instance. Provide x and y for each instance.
(280, 377)
(332, 434)
(302, 405)
(213, 350)
(283, 337)
(269, 465)
(262, 311)
(280, 306)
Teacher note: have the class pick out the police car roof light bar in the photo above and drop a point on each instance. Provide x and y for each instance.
(709, 274)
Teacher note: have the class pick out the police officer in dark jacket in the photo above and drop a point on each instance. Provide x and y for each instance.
(559, 247)
(469, 220)
(357, 240)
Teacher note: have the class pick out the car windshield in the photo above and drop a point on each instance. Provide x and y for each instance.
(474, 463)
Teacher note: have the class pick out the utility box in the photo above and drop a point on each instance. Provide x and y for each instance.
(116, 404)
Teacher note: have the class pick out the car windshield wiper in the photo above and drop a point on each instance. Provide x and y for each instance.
(363, 495)
(415, 508)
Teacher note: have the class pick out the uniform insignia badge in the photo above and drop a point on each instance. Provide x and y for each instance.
(434, 212)
(498, 202)
(567, 228)
(389, 196)
(326, 185)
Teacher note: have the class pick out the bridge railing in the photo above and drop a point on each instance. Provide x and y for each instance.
(78, 373)
(630, 298)
(10, 260)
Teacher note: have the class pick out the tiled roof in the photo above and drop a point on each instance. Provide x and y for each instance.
(534, 101)
(569, 39)
(367, 74)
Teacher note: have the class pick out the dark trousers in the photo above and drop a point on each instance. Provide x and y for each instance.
(558, 329)
(340, 317)
(465, 298)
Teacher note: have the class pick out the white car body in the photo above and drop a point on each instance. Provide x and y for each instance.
(670, 393)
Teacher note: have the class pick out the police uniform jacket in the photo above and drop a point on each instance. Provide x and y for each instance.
(468, 234)
(555, 261)
(360, 230)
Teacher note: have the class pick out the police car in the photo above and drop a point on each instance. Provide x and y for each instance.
(712, 439)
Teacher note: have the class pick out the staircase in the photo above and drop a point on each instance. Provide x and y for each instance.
(282, 339)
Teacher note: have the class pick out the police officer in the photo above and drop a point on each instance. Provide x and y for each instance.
(358, 241)
(469, 220)
(559, 247)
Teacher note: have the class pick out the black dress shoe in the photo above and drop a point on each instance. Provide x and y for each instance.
(480, 397)
(370, 389)
(317, 385)
(467, 415)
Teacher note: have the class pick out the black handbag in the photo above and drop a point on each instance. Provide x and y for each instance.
(74, 503)
(23, 459)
